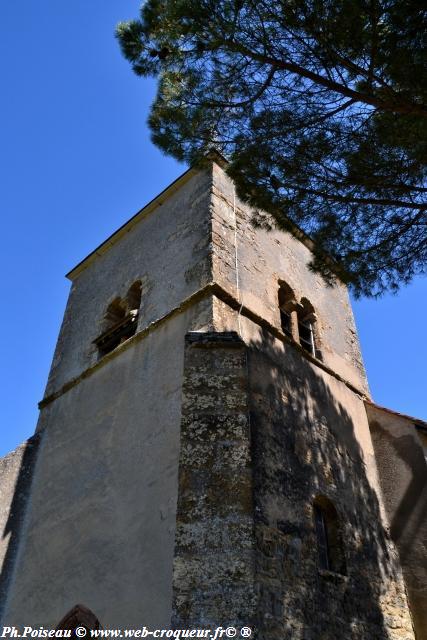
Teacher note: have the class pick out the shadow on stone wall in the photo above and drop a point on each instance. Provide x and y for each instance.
(411, 513)
(403, 477)
(20, 465)
(304, 445)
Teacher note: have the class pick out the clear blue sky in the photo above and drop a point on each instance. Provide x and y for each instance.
(76, 162)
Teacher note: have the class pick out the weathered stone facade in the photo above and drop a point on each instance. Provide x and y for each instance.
(400, 444)
(214, 565)
(16, 474)
(305, 445)
(177, 475)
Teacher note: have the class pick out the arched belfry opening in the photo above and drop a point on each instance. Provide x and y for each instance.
(79, 616)
(120, 320)
(330, 547)
(287, 305)
(298, 319)
(133, 297)
(306, 326)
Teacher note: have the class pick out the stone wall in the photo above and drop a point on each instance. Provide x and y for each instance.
(176, 478)
(168, 250)
(214, 553)
(246, 547)
(403, 476)
(16, 475)
(100, 523)
(310, 439)
(266, 257)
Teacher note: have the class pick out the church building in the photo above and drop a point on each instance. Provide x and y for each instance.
(207, 453)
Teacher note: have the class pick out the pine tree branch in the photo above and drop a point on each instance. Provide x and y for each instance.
(381, 202)
(370, 99)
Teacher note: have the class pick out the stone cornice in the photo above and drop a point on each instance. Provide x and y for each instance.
(211, 289)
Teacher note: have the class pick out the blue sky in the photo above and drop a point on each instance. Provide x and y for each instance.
(76, 162)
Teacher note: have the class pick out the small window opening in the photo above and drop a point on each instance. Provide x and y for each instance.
(287, 304)
(79, 616)
(134, 296)
(328, 533)
(120, 320)
(306, 319)
(306, 338)
(286, 322)
(298, 320)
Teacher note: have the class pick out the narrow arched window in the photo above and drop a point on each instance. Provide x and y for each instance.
(133, 297)
(79, 616)
(329, 537)
(306, 320)
(120, 320)
(287, 306)
(298, 320)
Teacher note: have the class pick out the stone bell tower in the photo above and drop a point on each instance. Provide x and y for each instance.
(203, 455)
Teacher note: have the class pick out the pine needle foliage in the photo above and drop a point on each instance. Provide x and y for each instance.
(320, 108)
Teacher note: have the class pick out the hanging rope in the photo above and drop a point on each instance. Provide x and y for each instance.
(236, 263)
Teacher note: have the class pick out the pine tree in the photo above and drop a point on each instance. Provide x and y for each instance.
(320, 108)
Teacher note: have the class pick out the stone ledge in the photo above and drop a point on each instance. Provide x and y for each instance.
(226, 297)
(207, 339)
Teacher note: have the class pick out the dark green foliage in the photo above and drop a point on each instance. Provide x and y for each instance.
(321, 109)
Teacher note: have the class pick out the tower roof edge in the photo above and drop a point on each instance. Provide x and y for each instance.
(125, 228)
(213, 156)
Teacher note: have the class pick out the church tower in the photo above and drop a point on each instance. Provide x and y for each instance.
(203, 456)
